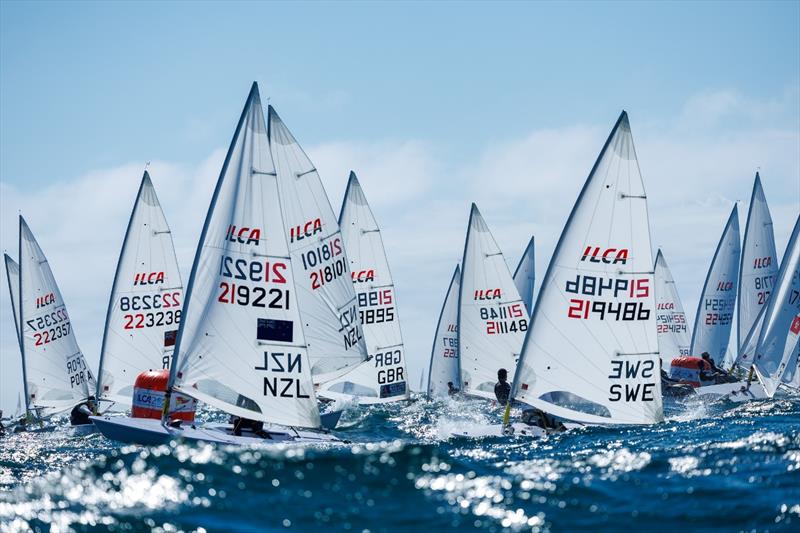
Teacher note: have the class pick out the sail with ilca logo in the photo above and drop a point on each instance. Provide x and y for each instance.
(382, 377)
(492, 319)
(144, 310)
(591, 354)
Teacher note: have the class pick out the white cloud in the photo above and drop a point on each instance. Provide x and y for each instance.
(693, 172)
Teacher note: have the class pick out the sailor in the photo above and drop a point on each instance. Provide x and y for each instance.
(254, 426)
(502, 390)
(80, 414)
(451, 389)
(718, 375)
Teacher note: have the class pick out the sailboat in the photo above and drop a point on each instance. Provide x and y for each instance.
(525, 275)
(777, 344)
(241, 346)
(144, 309)
(55, 374)
(714, 318)
(443, 369)
(382, 378)
(673, 330)
(591, 353)
(492, 319)
(325, 293)
(757, 274)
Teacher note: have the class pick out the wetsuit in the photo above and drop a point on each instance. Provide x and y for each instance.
(502, 391)
(80, 415)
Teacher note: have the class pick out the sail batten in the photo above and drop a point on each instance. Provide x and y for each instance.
(590, 354)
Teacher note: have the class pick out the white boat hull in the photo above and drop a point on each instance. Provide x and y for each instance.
(150, 431)
(734, 392)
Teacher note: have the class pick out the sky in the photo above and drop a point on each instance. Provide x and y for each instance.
(433, 105)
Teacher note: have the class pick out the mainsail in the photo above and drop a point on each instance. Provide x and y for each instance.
(782, 319)
(12, 275)
(759, 265)
(444, 353)
(54, 368)
(240, 346)
(492, 319)
(325, 292)
(591, 354)
(673, 331)
(383, 377)
(144, 310)
(714, 318)
(525, 275)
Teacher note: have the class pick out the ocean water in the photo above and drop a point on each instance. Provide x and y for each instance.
(718, 467)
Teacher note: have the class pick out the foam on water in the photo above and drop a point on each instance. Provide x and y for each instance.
(711, 467)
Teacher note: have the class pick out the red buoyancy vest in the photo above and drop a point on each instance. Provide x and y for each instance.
(148, 398)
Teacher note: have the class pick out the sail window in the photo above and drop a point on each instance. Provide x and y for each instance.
(572, 401)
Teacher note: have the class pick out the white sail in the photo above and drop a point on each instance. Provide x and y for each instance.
(525, 276)
(240, 346)
(444, 354)
(12, 275)
(325, 290)
(492, 319)
(783, 314)
(714, 318)
(747, 350)
(791, 354)
(144, 310)
(759, 265)
(383, 377)
(54, 368)
(591, 354)
(673, 330)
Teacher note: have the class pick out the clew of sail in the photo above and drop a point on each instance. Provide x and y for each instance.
(55, 371)
(758, 268)
(325, 292)
(714, 318)
(673, 331)
(240, 346)
(444, 353)
(492, 320)
(383, 377)
(591, 354)
(781, 319)
(525, 276)
(144, 310)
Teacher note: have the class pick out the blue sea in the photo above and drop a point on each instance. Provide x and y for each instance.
(717, 467)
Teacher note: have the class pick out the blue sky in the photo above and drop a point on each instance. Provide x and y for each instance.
(435, 106)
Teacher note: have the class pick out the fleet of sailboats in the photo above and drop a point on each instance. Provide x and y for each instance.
(289, 307)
